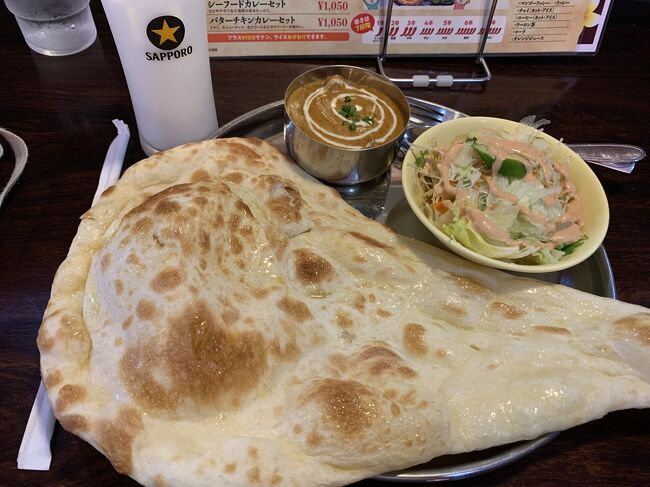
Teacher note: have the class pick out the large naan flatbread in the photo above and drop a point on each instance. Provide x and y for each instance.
(224, 319)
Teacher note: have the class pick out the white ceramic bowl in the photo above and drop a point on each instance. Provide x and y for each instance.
(594, 201)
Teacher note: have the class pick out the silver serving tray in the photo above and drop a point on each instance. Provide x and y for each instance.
(385, 202)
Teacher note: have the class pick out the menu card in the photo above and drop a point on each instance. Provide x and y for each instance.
(253, 28)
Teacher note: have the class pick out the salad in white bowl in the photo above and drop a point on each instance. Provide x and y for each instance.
(505, 191)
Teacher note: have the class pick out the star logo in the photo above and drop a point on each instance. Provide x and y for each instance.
(166, 32)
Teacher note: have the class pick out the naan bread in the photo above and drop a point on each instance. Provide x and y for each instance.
(224, 319)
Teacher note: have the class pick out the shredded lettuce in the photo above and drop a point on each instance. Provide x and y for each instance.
(462, 231)
(503, 214)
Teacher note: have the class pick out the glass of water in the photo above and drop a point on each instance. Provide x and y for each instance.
(55, 27)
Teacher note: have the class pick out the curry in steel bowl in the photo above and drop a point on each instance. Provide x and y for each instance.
(343, 113)
(342, 123)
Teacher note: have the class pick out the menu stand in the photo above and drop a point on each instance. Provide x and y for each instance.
(440, 80)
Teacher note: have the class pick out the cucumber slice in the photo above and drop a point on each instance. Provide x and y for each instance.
(482, 151)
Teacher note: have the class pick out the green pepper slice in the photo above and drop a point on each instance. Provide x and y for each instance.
(512, 168)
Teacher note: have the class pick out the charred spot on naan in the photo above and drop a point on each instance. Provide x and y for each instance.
(378, 360)
(507, 310)
(53, 379)
(553, 330)
(69, 395)
(276, 478)
(338, 364)
(74, 423)
(200, 175)
(470, 286)
(239, 150)
(235, 177)
(636, 327)
(167, 280)
(204, 241)
(310, 272)
(202, 360)
(453, 308)
(296, 309)
(288, 352)
(128, 321)
(383, 313)
(348, 407)
(119, 286)
(311, 269)
(344, 320)
(134, 260)
(146, 310)
(116, 438)
(159, 481)
(106, 261)
(380, 350)
(370, 241)
(108, 191)
(166, 206)
(161, 203)
(65, 330)
(253, 475)
(414, 342)
(284, 201)
(314, 439)
(360, 302)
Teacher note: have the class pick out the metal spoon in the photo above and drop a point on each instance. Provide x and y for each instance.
(620, 157)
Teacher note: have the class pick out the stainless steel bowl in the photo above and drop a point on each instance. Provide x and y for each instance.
(336, 165)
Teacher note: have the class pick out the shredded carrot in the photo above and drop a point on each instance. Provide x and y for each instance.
(440, 207)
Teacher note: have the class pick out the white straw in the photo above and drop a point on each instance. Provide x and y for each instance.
(114, 159)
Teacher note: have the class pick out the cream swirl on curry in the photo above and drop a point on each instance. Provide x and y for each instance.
(346, 114)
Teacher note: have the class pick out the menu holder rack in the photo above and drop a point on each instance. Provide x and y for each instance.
(439, 80)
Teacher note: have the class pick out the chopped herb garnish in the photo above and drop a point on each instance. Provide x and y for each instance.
(420, 161)
(512, 168)
(349, 111)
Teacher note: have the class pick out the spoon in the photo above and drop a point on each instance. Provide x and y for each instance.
(620, 157)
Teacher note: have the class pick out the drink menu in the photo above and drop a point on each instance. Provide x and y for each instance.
(252, 28)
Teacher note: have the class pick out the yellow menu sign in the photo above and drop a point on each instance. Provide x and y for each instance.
(247, 28)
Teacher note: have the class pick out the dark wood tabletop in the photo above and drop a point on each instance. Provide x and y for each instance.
(63, 107)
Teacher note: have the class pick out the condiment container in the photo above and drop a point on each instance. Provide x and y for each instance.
(163, 47)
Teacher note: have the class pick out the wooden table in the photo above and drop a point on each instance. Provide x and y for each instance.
(62, 107)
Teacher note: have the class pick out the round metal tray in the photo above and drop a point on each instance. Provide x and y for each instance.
(385, 202)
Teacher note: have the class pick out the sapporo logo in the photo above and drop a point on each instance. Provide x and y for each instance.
(167, 33)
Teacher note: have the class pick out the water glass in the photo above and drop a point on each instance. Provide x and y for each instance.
(55, 27)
